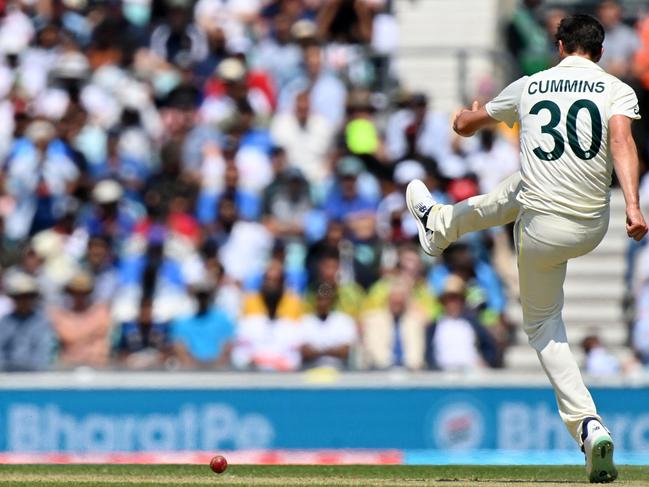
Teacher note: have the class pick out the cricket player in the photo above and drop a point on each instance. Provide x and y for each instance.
(574, 118)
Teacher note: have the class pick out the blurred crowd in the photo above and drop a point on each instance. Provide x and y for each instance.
(220, 184)
(626, 55)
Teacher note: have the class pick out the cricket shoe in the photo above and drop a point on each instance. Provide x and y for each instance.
(421, 204)
(598, 447)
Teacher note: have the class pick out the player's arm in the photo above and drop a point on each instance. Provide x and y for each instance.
(467, 122)
(627, 168)
(503, 108)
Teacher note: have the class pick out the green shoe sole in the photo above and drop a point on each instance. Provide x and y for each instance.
(603, 469)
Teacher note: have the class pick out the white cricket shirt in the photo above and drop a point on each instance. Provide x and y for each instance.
(564, 112)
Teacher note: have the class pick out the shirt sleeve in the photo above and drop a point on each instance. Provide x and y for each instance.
(624, 101)
(504, 107)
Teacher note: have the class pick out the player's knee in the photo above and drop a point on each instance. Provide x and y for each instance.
(542, 332)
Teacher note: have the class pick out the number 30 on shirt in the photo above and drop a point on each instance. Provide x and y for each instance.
(571, 129)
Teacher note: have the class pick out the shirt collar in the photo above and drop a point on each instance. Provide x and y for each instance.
(578, 62)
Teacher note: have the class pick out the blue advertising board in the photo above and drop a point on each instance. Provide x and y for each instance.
(459, 419)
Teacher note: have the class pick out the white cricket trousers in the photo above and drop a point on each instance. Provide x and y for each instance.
(544, 244)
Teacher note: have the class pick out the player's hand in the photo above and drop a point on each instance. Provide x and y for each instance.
(636, 227)
(456, 126)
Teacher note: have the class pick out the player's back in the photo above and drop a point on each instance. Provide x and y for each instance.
(564, 113)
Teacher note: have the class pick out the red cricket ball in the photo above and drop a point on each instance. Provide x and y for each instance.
(218, 464)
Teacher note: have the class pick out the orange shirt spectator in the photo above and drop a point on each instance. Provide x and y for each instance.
(641, 64)
(82, 327)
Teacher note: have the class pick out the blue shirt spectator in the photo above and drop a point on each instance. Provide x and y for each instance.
(38, 175)
(344, 199)
(328, 93)
(203, 336)
(207, 206)
(26, 338)
(110, 215)
(168, 272)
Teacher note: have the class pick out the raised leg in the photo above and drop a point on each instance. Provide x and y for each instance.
(499, 207)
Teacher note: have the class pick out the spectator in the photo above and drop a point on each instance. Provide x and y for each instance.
(410, 268)
(243, 246)
(346, 22)
(417, 131)
(361, 132)
(170, 180)
(345, 200)
(247, 203)
(327, 93)
(456, 341)
(72, 238)
(494, 160)
(26, 340)
(45, 260)
(287, 205)
(306, 136)
(144, 342)
(234, 86)
(599, 361)
(327, 335)
(38, 176)
(178, 40)
(621, 41)
(527, 40)
(277, 53)
(269, 335)
(153, 270)
(347, 295)
(172, 214)
(203, 340)
(129, 171)
(100, 264)
(228, 295)
(82, 327)
(484, 290)
(334, 241)
(394, 336)
(110, 215)
(216, 52)
(366, 249)
(553, 17)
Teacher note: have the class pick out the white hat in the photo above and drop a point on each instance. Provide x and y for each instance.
(39, 130)
(52, 103)
(406, 171)
(81, 281)
(304, 29)
(107, 191)
(231, 69)
(47, 244)
(72, 65)
(12, 44)
(19, 283)
(75, 4)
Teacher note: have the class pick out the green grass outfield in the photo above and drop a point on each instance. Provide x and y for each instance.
(340, 476)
